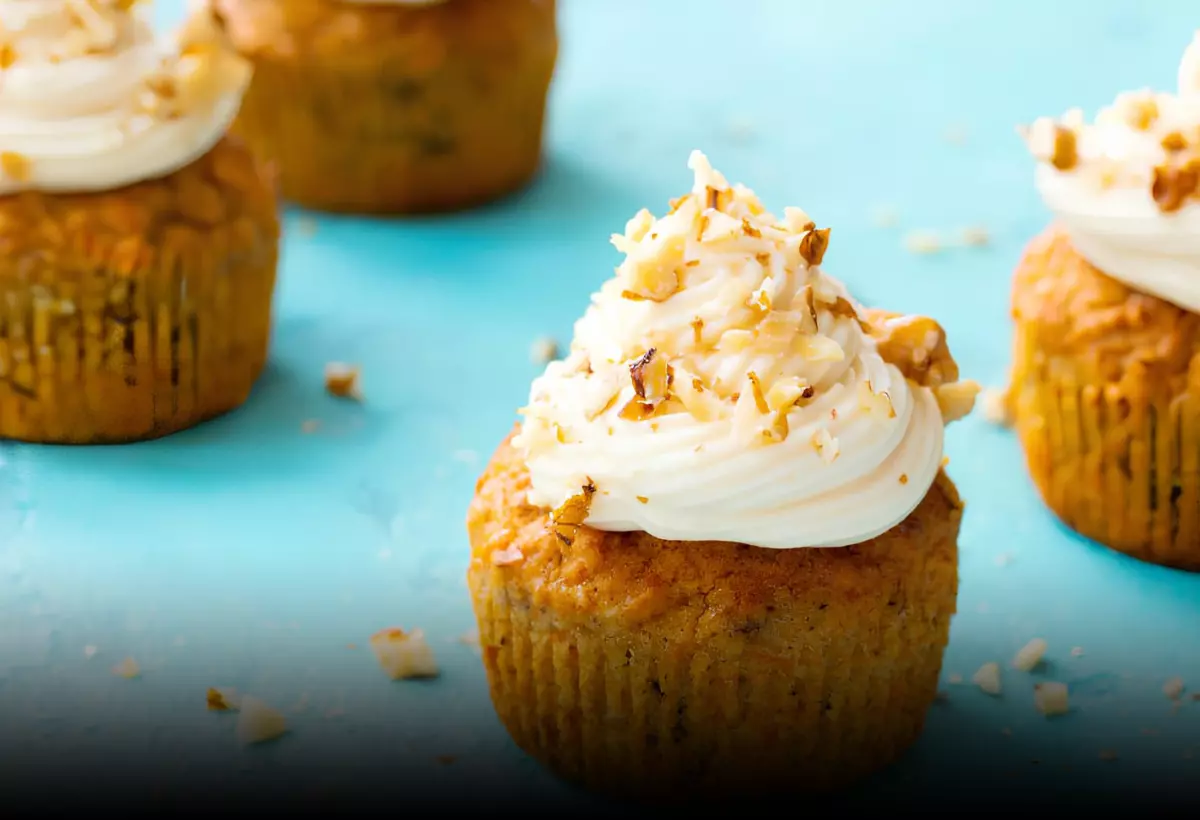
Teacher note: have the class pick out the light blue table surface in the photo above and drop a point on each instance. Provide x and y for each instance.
(247, 553)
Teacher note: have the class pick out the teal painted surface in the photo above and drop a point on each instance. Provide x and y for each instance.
(246, 553)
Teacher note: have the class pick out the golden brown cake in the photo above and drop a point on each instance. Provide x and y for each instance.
(719, 556)
(138, 245)
(396, 107)
(1105, 391)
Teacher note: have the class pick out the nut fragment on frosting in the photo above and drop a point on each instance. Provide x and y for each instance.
(1126, 186)
(404, 654)
(91, 100)
(722, 374)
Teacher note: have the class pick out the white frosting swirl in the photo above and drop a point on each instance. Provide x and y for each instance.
(1126, 186)
(774, 430)
(89, 101)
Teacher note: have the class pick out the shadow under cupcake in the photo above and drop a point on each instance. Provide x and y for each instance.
(719, 556)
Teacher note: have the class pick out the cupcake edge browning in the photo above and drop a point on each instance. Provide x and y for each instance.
(135, 313)
(1105, 398)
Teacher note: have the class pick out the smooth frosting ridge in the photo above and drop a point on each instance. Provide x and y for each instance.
(1127, 186)
(722, 387)
(89, 101)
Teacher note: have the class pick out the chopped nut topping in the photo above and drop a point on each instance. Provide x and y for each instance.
(988, 678)
(651, 376)
(258, 722)
(568, 517)
(642, 499)
(813, 246)
(1174, 142)
(876, 404)
(1173, 186)
(957, 399)
(1030, 655)
(698, 331)
(826, 445)
(404, 655)
(1051, 698)
(760, 401)
(341, 380)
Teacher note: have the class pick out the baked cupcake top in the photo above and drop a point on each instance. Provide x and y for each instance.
(1126, 187)
(722, 387)
(90, 100)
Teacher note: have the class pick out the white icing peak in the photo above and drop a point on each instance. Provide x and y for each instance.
(89, 101)
(1127, 186)
(721, 387)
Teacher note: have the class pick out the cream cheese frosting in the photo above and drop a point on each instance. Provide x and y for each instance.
(722, 387)
(90, 100)
(1126, 187)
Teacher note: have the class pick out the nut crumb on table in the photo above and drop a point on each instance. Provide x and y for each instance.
(1030, 655)
(1051, 698)
(987, 678)
(127, 668)
(342, 381)
(404, 655)
(543, 350)
(221, 699)
(258, 722)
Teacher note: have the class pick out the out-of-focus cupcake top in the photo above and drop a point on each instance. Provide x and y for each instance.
(722, 387)
(89, 101)
(1127, 186)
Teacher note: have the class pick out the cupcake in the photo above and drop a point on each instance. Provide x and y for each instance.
(1105, 391)
(137, 243)
(719, 555)
(396, 106)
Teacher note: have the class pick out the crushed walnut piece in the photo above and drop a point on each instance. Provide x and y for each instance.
(258, 722)
(404, 655)
(1174, 185)
(813, 246)
(568, 517)
(342, 381)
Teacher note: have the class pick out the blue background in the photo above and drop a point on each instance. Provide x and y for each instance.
(247, 553)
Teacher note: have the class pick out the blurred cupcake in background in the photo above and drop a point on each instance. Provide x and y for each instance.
(138, 244)
(656, 612)
(1105, 391)
(396, 106)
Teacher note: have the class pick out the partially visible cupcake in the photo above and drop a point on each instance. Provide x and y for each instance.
(1105, 391)
(656, 612)
(396, 106)
(138, 245)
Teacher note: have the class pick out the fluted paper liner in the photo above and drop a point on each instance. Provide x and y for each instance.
(135, 313)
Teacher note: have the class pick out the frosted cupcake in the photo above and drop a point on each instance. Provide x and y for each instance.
(720, 554)
(1105, 390)
(137, 244)
(396, 106)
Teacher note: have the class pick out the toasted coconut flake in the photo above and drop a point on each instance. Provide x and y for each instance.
(569, 516)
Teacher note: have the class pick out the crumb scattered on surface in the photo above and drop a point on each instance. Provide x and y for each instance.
(342, 381)
(89, 651)
(975, 236)
(1108, 754)
(1051, 698)
(127, 668)
(309, 426)
(221, 699)
(1173, 688)
(258, 722)
(924, 242)
(543, 350)
(1030, 655)
(1077, 652)
(885, 216)
(987, 678)
(403, 654)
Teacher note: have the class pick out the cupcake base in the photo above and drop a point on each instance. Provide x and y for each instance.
(135, 313)
(1105, 397)
(652, 668)
(396, 109)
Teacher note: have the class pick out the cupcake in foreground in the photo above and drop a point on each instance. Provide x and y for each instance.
(396, 106)
(137, 244)
(1105, 391)
(655, 610)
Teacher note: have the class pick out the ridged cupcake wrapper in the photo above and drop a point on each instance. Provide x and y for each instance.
(106, 337)
(419, 127)
(1118, 467)
(631, 713)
